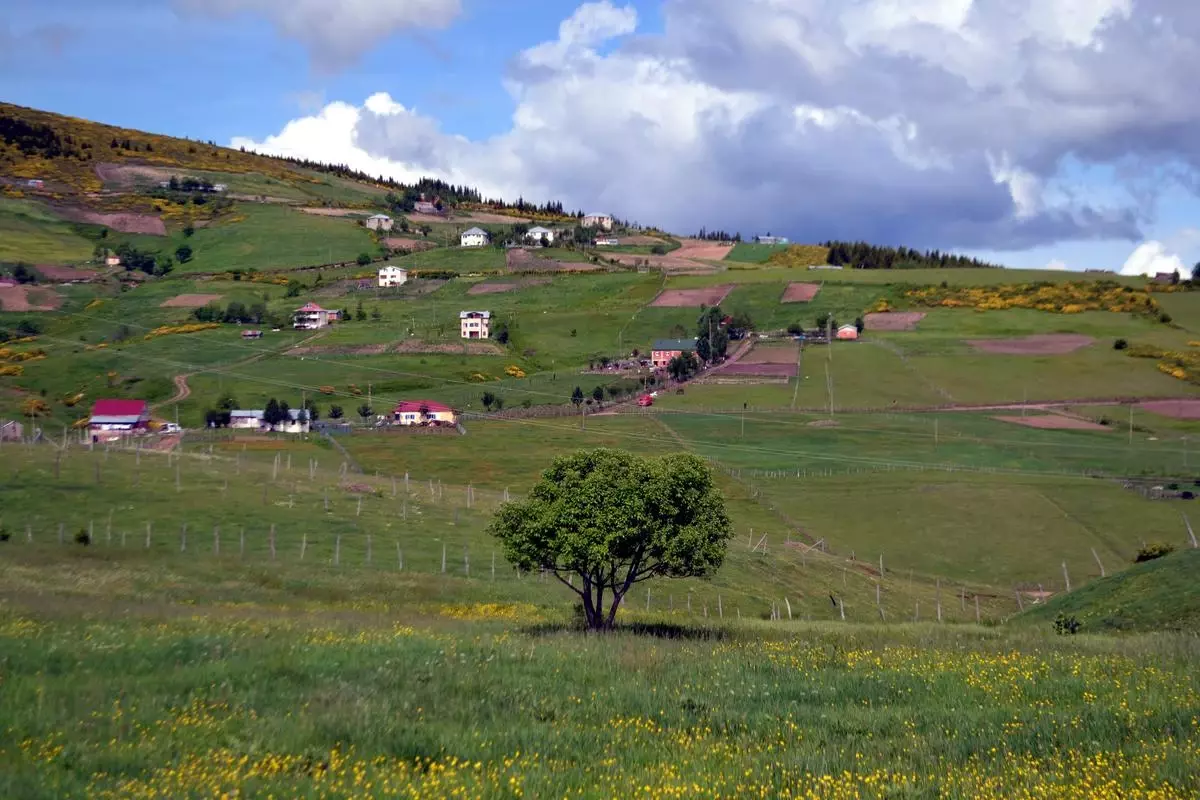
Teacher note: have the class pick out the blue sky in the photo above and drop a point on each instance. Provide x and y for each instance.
(667, 111)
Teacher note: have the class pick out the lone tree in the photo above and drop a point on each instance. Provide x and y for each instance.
(613, 519)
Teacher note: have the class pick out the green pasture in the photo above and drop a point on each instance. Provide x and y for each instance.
(752, 253)
(455, 259)
(30, 233)
(292, 631)
(736, 272)
(1156, 595)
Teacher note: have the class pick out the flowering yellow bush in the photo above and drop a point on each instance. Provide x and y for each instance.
(514, 371)
(94, 304)
(326, 390)
(1061, 298)
(11, 370)
(170, 330)
(511, 612)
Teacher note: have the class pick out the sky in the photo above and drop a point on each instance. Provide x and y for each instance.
(1056, 134)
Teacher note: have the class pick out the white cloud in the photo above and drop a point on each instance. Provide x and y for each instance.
(943, 123)
(1057, 265)
(336, 32)
(1151, 258)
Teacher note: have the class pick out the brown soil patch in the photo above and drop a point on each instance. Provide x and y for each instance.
(496, 287)
(470, 348)
(190, 301)
(774, 354)
(125, 223)
(335, 212)
(1049, 344)
(430, 219)
(702, 249)
(521, 260)
(127, 176)
(765, 370)
(1178, 409)
(29, 298)
(686, 298)
(406, 347)
(341, 350)
(893, 320)
(65, 274)
(1055, 422)
(800, 292)
(672, 263)
(408, 245)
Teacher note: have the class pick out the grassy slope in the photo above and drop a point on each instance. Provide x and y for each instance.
(29, 233)
(181, 674)
(1158, 595)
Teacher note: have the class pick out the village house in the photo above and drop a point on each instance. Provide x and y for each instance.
(8, 283)
(1165, 277)
(475, 324)
(112, 420)
(847, 332)
(36, 183)
(423, 412)
(770, 239)
(379, 222)
(607, 241)
(253, 420)
(475, 237)
(598, 220)
(252, 334)
(311, 317)
(424, 207)
(537, 233)
(112, 261)
(10, 431)
(392, 276)
(666, 349)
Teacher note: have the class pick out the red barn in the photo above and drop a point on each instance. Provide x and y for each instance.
(113, 419)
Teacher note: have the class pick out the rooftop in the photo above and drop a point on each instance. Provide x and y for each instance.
(415, 406)
(475, 232)
(473, 314)
(675, 344)
(120, 408)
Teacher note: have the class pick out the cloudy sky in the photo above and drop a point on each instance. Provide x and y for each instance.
(1044, 133)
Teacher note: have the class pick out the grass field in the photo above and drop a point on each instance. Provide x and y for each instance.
(271, 237)
(30, 233)
(751, 253)
(1157, 595)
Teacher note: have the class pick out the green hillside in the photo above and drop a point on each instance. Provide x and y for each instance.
(1159, 595)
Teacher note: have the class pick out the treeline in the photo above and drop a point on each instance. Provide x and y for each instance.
(36, 139)
(718, 236)
(234, 313)
(860, 255)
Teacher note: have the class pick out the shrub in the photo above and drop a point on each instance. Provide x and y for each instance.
(1067, 626)
(1153, 551)
(83, 537)
(1120, 344)
(1164, 318)
(4, 534)
(658, 250)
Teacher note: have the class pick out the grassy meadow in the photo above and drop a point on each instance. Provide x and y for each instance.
(334, 636)
(242, 615)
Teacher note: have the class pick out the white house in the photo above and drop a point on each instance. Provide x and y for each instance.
(597, 220)
(422, 412)
(474, 237)
(475, 324)
(252, 420)
(379, 222)
(771, 239)
(393, 276)
(607, 241)
(311, 317)
(538, 233)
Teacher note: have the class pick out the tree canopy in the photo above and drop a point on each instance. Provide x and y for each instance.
(604, 520)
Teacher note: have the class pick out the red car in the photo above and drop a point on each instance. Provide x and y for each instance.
(645, 400)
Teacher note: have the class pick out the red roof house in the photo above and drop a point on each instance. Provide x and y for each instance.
(112, 419)
(423, 412)
(311, 316)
